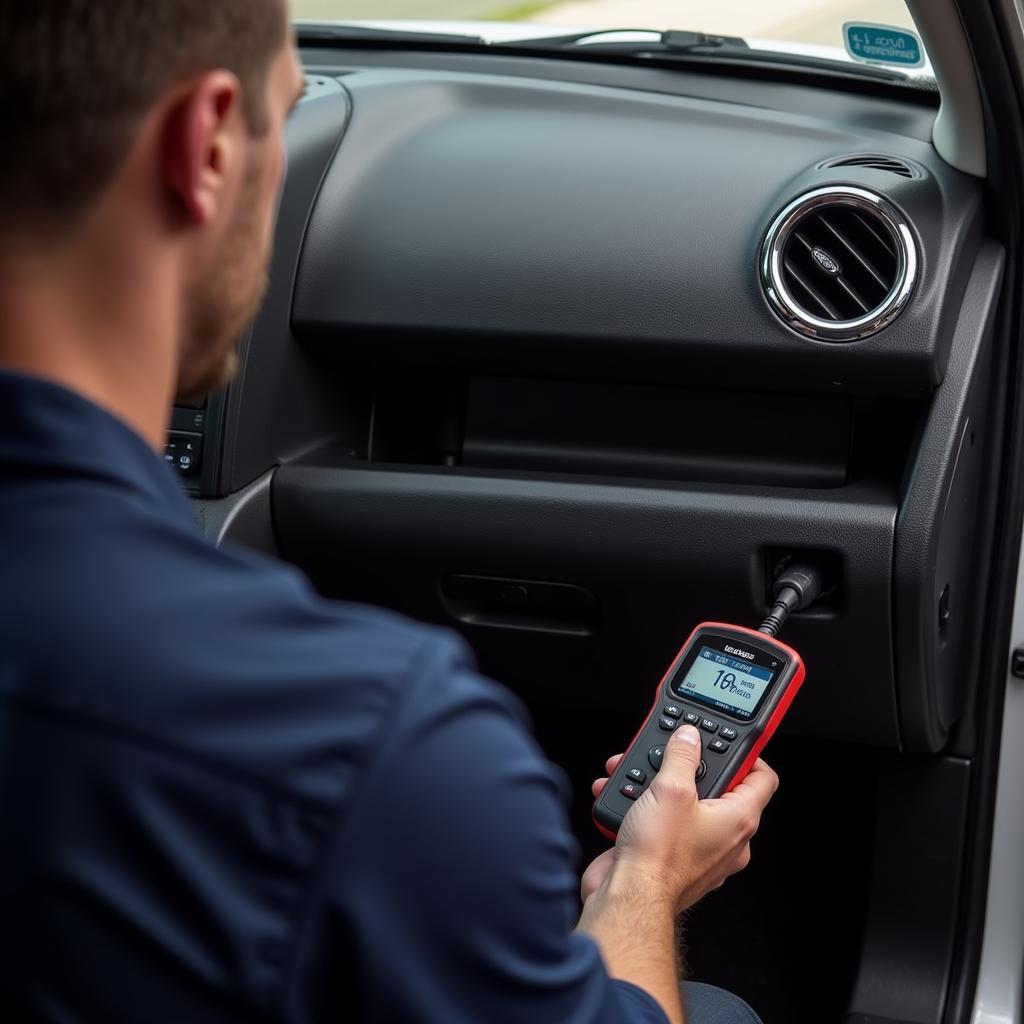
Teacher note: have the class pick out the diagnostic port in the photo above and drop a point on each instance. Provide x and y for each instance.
(829, 565)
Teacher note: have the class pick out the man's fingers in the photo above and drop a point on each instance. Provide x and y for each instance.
(597, 786)
(680, 763)
(757, 788)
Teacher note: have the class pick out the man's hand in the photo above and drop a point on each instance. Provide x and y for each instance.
(685, 845)
(671, 849)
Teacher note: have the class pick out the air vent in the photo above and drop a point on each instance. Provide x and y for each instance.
(838, 263)
(876, 163)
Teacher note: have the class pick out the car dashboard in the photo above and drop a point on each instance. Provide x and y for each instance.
(573, 355)
(521, 338)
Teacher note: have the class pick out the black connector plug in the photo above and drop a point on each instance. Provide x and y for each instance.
(797, 586)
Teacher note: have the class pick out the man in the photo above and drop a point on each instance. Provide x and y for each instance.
(223, 798)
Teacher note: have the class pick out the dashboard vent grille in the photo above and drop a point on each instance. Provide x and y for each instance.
(878, 163)
(838, 263)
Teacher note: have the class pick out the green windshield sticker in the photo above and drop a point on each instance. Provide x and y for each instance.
(882, 44)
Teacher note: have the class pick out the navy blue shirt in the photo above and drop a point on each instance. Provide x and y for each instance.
(225, 799)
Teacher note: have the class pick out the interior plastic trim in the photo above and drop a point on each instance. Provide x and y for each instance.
(1001, 973)
(959, 132)
(654, 557)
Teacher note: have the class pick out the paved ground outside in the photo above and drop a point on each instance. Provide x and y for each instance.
(809, 21)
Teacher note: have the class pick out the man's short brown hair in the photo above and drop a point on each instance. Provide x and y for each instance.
(76, 77)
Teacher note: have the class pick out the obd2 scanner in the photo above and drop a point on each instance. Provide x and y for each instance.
(732, 683)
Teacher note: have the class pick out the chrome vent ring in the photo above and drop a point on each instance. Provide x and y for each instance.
(839, 263)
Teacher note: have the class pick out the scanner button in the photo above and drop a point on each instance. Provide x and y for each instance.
(672, 710)
(666, 723)
(718, 746)
(637, 776)
(655, 755)
(727, 734)
(708, 725)
(691, 718)
(702, 770)
(631, 790)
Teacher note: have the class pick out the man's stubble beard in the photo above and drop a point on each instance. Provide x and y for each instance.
(222, 304)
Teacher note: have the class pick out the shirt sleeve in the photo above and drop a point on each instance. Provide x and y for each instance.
(450, 895)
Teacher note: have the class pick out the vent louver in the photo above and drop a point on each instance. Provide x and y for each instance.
(877, 163)
(838, 263)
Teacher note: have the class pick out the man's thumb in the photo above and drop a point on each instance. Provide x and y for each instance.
(682, 757)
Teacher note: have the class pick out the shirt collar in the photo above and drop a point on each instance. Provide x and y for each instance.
(47, 429)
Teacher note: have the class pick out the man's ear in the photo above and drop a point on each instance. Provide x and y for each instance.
(200, 143)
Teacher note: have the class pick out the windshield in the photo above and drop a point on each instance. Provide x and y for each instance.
(842, 30)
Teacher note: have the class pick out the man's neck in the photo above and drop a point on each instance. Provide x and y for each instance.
(103, 330)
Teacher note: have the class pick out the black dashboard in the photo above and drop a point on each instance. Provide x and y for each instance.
(591, 223)
(519, 371)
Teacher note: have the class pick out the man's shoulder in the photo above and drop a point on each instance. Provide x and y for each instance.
(123, 582)
(220, 655)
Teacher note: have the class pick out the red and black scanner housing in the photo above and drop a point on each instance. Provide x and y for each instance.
(732, 737)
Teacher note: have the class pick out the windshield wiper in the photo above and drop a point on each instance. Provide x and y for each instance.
(310, 31)
(684, 44)
(674, 40)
